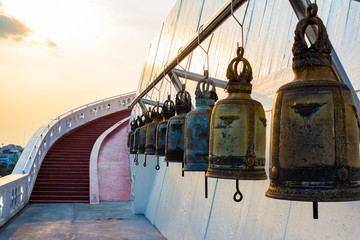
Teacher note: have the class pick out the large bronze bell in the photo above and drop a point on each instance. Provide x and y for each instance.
(151, 130)
(314, 145)
(133, 126)
(174, 148)
(142, 135)
(197, 127)
(238, 128)
(168, 111)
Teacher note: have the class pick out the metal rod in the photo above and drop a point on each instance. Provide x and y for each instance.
(151, 102)
(315, 210)
(197, 77)
(206, 187)
(182, 169)
(223, 14)
(299, 7)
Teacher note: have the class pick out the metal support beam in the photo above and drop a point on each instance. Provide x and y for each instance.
(223, 14)
(299, 7)
(142, 106)
(175, 81)
(197, 77)
(151, 102)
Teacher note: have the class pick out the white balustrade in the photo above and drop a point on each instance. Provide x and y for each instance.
(16, 188)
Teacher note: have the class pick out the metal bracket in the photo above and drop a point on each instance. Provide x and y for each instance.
(142, 106)
(175, 81)
(197, 77)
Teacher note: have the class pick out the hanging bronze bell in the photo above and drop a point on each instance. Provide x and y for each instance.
(168, 111)
(197, 127)
(142, 135)
(133, 126)
(151, 130)
(174, 148)
(135, 145)
(238, 128)
(314, 145)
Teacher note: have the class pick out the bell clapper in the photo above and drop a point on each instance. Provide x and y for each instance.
(157, 167)
(137, 159)
(206, 187)
(182, 171)
(167, 164)
(236, 199)
(145, 161)
(315, 210)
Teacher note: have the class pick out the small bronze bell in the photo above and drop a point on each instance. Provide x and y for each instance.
(142, 135)
(174, 148)
(168, 111)
(133, 126)
(136, 137)
(197, 127)
(151, 131)
(314, 145)
(238, 128)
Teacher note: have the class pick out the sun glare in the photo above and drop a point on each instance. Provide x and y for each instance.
(63, 21)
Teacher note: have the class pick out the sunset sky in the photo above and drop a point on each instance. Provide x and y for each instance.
(57, 55)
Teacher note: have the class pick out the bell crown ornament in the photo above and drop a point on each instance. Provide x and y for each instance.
(203, 94)
(133, 125)
(156, 113)
(318, 54)
(182, 101)
(239, 82)
(168, 109)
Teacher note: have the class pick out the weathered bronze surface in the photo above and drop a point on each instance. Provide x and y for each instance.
(168, 111)
(197, 128)
(132, 136)
(314, 146)
(151, 131)
(136, 137)
(142, 135)
(238, 128)
(133, 126)
(174, 148)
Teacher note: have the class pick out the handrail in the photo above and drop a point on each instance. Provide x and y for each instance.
(65, 114)
(223, 14)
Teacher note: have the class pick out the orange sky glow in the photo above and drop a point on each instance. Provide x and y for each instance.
(57, 55)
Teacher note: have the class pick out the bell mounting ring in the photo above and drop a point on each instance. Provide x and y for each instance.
(318, 54)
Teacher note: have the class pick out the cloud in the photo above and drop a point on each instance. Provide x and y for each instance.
(51, 43)
(12, 28)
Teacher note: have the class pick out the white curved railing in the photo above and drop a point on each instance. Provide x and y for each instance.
(16, 188)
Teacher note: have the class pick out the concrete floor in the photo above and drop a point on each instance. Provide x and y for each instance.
(108, 220)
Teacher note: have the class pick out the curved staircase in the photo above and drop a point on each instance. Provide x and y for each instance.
(64, 173)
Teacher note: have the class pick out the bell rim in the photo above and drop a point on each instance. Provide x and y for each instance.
(328, 195)
(225, 174)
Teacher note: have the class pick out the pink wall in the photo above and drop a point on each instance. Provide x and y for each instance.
(113, 167)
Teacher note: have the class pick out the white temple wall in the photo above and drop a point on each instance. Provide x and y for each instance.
(176, 204)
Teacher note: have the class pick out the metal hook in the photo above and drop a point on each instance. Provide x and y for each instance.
(137, 159)
(157, 167)
(242, 23)
(237, 193)
(206, 51)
